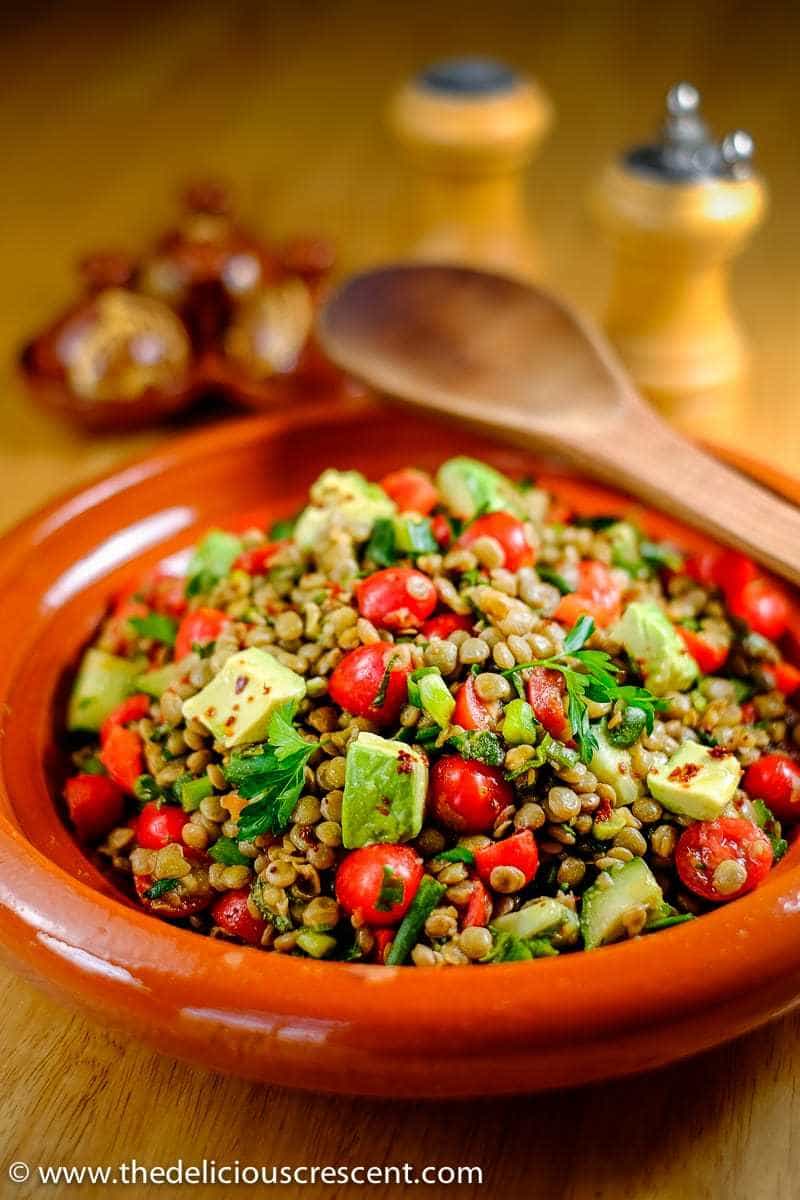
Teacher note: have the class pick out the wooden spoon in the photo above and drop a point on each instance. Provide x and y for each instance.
(503, 356)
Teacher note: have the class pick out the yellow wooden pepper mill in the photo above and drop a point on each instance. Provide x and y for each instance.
(676, 213)
(469, 128)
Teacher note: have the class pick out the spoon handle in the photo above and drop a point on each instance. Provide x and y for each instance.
(640, 453)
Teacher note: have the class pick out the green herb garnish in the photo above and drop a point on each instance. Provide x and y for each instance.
(659, 555)
(766, 820)
(597, 681)
(479, 744)
(279, 531)
(457, 854)
(146, 790)
(212, 560)
(270, 776)
(156, 626)
(160, 888)
(553, 577)
(203, 649)
(380, 695)
(381, 545)
(227, 851)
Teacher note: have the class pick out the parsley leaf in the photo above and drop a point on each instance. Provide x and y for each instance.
(457, 854)
(381, 545)
(270, 776)
(226, 850)
(160, 888)
(156, 626)
(479, 744)
(279, 531)
(558, 581)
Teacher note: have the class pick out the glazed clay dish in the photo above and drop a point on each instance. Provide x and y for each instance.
(71, 925)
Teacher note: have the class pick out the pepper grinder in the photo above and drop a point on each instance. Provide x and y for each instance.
(468, 128)
(676, 212)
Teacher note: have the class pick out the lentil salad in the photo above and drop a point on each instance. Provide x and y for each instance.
(438, 722)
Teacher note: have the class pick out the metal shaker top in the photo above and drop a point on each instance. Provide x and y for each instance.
(686, 151)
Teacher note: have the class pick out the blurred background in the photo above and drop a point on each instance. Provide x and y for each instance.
(107, 110)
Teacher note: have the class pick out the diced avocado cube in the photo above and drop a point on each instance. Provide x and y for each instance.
(650, 639)
(436, 699)
(607, 902)
(696, 781)
(386, 783)
(156, 681)
(102, 683)
(468, 487)
(613, 765)
(237, 704)
(316, 944)
(544, 917)
(519, 726)
(346, 499)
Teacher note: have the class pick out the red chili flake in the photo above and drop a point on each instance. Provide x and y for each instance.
(719, 752)
(385, 807)
(241, 684)
(210, 711)
(685, 774)
(405, 763)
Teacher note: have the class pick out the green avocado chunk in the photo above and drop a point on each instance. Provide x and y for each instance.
(102, 683)
(650, 639)
(605, 904)
(344, 499)
(386, 783)
(469, 487)
(236, 706)
(697, 781)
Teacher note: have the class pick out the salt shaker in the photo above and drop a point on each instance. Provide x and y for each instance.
(469, 127)
(676, 213)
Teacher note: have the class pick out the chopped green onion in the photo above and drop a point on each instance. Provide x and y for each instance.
(192, 791)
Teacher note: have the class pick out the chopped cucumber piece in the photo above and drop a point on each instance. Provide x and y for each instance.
(192, 791)
(436, 699)
(316, 944)
(613, 765)
(520, 727)
(607, 902)
(155, 682)
(102, 683)
(544, 917)
(469, 487)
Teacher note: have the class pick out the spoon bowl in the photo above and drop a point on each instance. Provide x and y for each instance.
(509, 358)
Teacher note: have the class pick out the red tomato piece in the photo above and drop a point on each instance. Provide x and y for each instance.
(168, 594)
(762, 605)
(258, 560)
(519, 851)
(597, 594)
(396, 598)
(479, 906)
(734, 571)
(702, 567)
(232, 915)
(199, 627)
(411, 490)
(447, 623)
(357, 680)
(132, 709)
(158, 825)
(169, 905)
(442, 530)
(785, 676)
(383, 939)
(546, 691)
(709, 654)
(95, 805)
(506, 529)
(706, 845)
(749, 714)
(378, 882)
(775, 779)
(122, 756)
(470, 712)
(467, 795)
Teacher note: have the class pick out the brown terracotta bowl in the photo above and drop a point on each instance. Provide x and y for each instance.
(332, 1026)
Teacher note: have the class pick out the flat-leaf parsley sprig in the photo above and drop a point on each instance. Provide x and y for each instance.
(271, 776)
(596, 680)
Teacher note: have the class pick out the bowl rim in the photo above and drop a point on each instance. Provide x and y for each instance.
(564, 997)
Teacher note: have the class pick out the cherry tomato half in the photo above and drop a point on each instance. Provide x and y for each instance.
(546, 691)
(705, 846)
(470, 712)
(442, 530)
(702, 567)
(733, 570)
(479, 906)
(199, 627)
(785, 677)
(447, 623)
(763, 605)
(232, 915)
(467, 795)
(708, 653)
(358, 678)
(95, 805)
(122, 756)
(258, 560)
(411, 490)
(518, 851)
(132, 709)
(775, 779)
(396, 598)
(158, 825)
(506, 529)
(597, 594)
(378, 882)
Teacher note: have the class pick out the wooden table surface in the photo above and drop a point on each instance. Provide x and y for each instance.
(102, 116)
